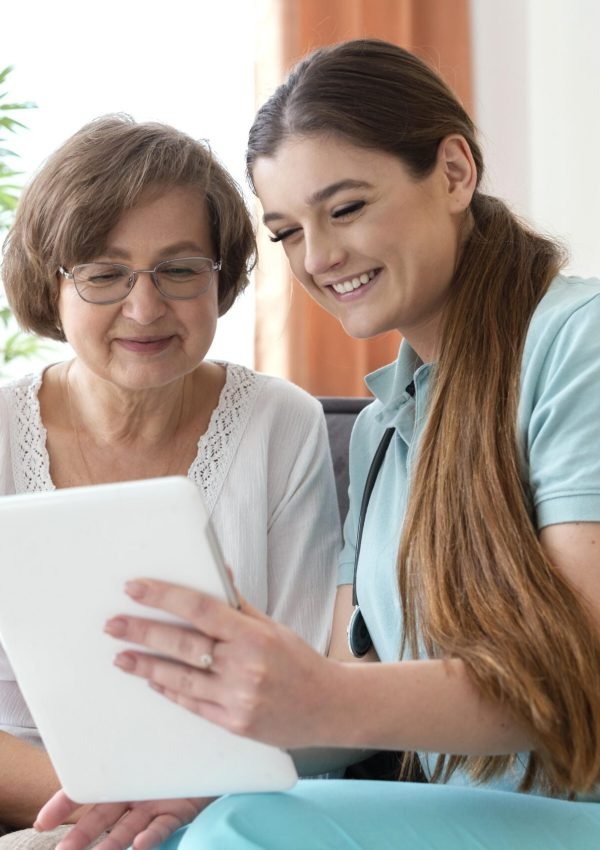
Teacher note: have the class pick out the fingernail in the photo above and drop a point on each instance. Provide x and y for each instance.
(117, 626)
(136, 589)
(125, 661)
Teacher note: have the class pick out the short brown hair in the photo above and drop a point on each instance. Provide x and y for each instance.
(81, 191)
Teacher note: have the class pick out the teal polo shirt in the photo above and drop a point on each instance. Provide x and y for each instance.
(558, 431)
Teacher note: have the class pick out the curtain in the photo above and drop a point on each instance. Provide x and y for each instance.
(295, 338)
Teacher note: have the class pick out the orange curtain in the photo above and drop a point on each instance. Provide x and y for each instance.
(295, 338)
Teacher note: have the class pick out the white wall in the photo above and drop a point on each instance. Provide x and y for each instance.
(537, 103)
(190, 64)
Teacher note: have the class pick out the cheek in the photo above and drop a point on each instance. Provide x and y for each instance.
(83, 324)
(201, 316)
(295, 257)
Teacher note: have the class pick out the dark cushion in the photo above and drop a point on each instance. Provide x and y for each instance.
(340, 414)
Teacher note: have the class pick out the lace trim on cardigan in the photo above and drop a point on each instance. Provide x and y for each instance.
(31, 463)
(216, 447)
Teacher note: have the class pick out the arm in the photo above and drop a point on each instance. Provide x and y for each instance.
(422, 705)
(27, 779)
(276, 512)
(338, 644)
(268, 684)
(304, 535)
(574, 548)
(258, 688)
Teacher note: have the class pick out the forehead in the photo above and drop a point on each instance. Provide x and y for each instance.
(164, 215)
(302, 167)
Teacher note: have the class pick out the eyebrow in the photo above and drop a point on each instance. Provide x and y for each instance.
(323, 194)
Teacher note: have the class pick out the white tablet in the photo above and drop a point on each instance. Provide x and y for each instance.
(65, 557)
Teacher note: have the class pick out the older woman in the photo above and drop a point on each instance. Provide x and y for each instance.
(129, 243)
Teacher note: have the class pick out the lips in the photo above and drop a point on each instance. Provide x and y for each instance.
(145, 345)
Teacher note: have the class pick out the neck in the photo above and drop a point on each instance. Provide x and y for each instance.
(111, 415)
(164, 455)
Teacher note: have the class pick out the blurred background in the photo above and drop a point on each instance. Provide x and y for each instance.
(527, 70)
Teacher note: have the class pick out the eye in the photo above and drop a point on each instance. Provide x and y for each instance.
(284, 234)
(100, 274)
(179, 272)
(347, 209)
(106, 277)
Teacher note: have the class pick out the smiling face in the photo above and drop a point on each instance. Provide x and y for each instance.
(374, 246)
(146, 341)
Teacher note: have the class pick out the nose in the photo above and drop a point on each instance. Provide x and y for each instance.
(322, 251)
(144, 304)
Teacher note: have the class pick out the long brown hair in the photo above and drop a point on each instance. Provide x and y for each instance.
(474, 581)
(78, 195)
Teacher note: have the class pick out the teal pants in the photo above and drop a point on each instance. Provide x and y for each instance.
(357, 815)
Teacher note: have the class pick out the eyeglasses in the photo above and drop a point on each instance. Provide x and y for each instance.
(107, 283)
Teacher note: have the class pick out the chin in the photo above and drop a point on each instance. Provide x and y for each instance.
(365, 330)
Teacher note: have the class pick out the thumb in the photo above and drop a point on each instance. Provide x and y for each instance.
(54, 812)
(244, 606)
(251, 611)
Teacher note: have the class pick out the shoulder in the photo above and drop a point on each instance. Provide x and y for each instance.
(562, 339)
(11, 391)
(367, 432)
(559, 407)
(569, 309)
(273, 394)
(13, 385)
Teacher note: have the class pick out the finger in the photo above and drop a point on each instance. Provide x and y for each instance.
(209, 615)
(153, 830)
(251, 611)
(55, 812)
(92, 825)
(123, 833)
(203, 708)
(178, 642)
(160, 829)
(187, 681)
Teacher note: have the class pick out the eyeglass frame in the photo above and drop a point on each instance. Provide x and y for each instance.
(133, 276)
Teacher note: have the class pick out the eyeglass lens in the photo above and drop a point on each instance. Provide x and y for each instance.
(181, 279)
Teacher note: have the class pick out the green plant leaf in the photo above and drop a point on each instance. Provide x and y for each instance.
(27, 104)
(17, 343)
(21, 344)
(11, 124)
(5, 72)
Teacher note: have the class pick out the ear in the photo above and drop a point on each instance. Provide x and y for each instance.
(455, 159)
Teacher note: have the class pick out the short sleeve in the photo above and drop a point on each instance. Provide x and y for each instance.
(563, 432)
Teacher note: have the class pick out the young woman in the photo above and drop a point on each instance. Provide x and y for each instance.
(129, 243)
(478, 579)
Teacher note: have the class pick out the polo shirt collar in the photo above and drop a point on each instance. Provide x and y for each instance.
(389, 384)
